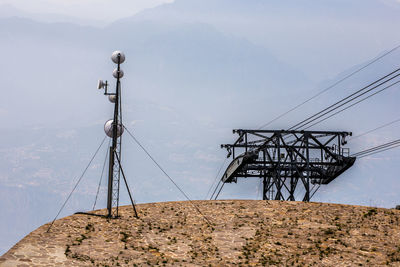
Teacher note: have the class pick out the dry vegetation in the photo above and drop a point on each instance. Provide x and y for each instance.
(242, 233)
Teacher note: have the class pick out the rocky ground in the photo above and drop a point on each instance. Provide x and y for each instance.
(235, 232)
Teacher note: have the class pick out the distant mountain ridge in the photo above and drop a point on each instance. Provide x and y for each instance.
(8, 11)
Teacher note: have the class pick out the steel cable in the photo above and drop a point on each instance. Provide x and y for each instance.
(375, 129)
(101, 177)
(222, 186)
(330, 87)
(215, 190)
(216, 177)
(365, 98)
(76, 185)
(340, 103)
(166, 174)
(376, 148)
(378, 151)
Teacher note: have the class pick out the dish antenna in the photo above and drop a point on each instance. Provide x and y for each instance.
(109, 126)
(112, 98)
(118, 73)
(118, 57)
(101, 84)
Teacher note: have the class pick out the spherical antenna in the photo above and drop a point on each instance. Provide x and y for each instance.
(108, 128)
(112, 98)
(114, 57)
(118, 74)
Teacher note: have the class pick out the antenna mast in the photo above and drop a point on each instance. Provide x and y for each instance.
(114, 129)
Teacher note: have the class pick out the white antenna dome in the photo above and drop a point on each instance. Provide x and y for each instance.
(114, 57)
(108, 128)
(118, 74)
(112, 98)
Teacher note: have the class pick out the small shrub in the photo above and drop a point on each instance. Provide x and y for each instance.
(329, 231)
(370, 212)
(80, 239)
(124, 237)
(89, 227)
(67, 250)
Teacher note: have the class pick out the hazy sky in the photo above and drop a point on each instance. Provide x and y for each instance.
(194, 70)
(106, 10)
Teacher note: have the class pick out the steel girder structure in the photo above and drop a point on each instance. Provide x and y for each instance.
(288, 162)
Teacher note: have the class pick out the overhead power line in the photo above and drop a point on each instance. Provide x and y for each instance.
(331, 86)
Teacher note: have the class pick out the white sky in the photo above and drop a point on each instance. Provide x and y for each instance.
(103, 10)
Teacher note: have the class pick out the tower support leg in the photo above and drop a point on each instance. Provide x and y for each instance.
(127, 187)
(110, 182)
(265, 188)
